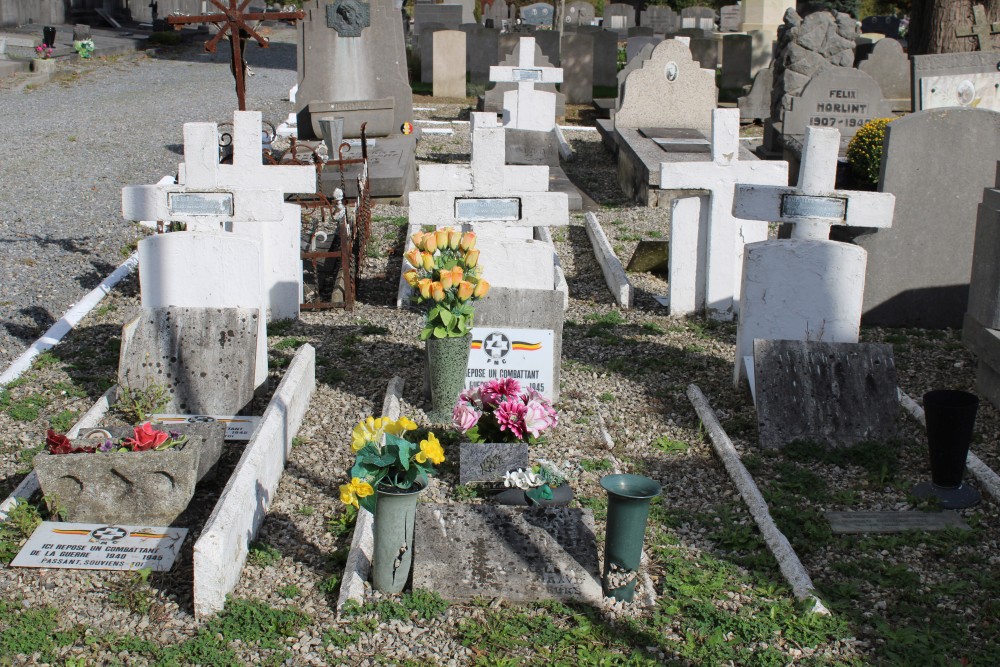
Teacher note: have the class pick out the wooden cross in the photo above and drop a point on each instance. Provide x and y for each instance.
(981, 28)
(233, 20)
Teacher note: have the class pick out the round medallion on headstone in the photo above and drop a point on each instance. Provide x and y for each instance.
(670, 71)
(496, 346)
(966, 93)
(108, 534)
(348, 17)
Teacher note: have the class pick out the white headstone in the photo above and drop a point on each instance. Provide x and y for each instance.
(527, 108)
(726, 236)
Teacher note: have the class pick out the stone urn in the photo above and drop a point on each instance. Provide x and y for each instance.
(132, 488)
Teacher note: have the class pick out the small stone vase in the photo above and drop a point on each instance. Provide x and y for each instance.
(447, 363)
(395, 510)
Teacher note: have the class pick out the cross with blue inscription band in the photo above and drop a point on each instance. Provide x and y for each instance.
(815, 204)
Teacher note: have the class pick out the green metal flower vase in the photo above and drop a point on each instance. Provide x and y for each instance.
(628, 510)
(392, 554)
(447, 363)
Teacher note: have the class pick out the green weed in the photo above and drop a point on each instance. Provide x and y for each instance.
(595, 465)
(136, 405)
(263, 554)
(22, 519)
(669, 446)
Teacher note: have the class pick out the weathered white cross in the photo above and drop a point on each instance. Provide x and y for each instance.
(722, 259)
(527, 108)
(807, 288)
(814, 205)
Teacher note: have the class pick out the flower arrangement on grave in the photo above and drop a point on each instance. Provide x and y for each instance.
(84, 47)
(537, 482)
(445, 274)
(44, 52)
(864, 152)
(386, 460)
(144, 438)
(500, 411)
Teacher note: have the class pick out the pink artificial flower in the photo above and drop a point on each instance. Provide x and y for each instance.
(465, 416)
(550, 412)
(496, 391)
(536, 418)
(510, 416)
(470, 397)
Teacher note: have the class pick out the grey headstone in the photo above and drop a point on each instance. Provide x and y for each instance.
(635, 44)
(635, 62)
(605, 58)
(981, 67)
(480, 52)
(540, 13)
(205, 357)
(705, 51)
(377, 71)
(984, 288)
(463, 552)
(893, 522)
(619, 16)
(489, 461)
(890, 68)
(426, 45)
(756, 105)
(730, 19)
(737, 56)
(579, 13)
(450, 16)
(839, 394)
(81, 32)
(392, 171)
(640, 31)
(650, 257)
(841, 98)
(578, 68)
(702, 18)
(661, 18)
(919, 269)
(531, 147)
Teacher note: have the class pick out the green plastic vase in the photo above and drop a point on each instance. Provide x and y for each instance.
(392, 554)
(447, 363)
(628, 509)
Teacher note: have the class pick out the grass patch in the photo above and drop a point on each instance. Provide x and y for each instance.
(21, 522)
(669, 446)
(595, 465)
(263, 554)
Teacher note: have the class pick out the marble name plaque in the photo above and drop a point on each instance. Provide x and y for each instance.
(526, 75)
(87, 546)
(200, 203)
(472, 210)
(805, 206)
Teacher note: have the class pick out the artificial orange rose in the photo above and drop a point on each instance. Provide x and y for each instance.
(428, 261)
(418, 239)
(441, 236)
(425, 287)
(481, 289)
(430, 243)
(454, 238)
(437, 291)
(465, 289)
(446, 280)
(472, 258)
(457, 274)
(468, 241)
(413, 256)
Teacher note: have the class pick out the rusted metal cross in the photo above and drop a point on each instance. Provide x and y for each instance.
(981, 28)
(233, 20)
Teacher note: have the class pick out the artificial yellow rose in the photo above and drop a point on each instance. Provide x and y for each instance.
(481, 289)
(418, 239)
(441, 236)
(472, 258)
(430, 449)
(410, 277)
(424, 285)
(428, 260)
(446, 279)
(430, 243)
(437, 291)
(415, 258)
(465, 289)
(454, 238)
(468, 241)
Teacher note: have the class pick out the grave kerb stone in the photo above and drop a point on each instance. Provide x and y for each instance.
(726, 235)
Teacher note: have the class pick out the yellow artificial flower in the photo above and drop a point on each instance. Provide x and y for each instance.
(454, 238)
(472, 258)
(400, 426)
(441, 236)
(465, 289)
(411, 278)
(430, 243)
(430, 449)
(368, 430)
(349, 493)
(482, 287)
(468, 241)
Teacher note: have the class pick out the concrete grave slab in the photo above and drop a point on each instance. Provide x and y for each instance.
(845, 523)
(839, 394)
(205, 357)
(490, 461)
(464, 552)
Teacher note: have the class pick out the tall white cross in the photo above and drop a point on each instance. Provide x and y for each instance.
(807, 288)
(725, 236)
(814, 205)
(527, 108)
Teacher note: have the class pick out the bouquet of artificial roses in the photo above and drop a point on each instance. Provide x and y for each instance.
(499, 411)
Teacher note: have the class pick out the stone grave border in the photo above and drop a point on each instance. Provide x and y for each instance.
(221, 550)
(611, 266)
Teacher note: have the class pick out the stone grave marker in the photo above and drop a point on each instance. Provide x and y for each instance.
(669, 90)
(640, 31)
(635, 62)
(539, 14)
(661, 18)
(981, 330)
(493, 97)
(527, 108)
(890, 68)
(98, 546)
(205, 357)
(490, 461)
(468, 10)
(841, 98)
(450, 16)
(449, 63)
(635, 44)
(716, 251)
(375, 88)
(579, 13)
(844, 523)
(578, 68)
(497, 12)
(756, 105)
(702, 18)
(501, 351)
(807, 287)
(426, 45)
(736, 58)
(481, 48)
(619, 16)
(969, 80)
(883, 25)
(464, 552)
(838, 394)
(762, 19)
(918, 272)
(605, 58)
(729, 19)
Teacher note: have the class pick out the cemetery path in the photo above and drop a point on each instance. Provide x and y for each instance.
(80, 138)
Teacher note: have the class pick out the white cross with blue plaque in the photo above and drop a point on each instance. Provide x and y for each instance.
(527, 108)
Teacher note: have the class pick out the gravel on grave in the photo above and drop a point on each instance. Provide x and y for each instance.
(628, 377)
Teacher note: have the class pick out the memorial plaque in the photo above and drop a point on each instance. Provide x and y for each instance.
(842, 98)
(473, 210)
(521, 554)
(526, 355)
(980, 91)
(490, 461)
(348, 17)
(95, 546)
(840, 394)
(527, 75)
(805, 206)
(200, 203)
(893, 522)
(237, 427)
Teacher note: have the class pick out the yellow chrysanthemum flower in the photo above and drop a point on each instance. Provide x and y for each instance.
(430, 449)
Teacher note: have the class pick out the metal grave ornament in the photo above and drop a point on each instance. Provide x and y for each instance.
(348, 17)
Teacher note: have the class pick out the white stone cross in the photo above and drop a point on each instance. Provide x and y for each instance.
(725, 237)
(814, 205)
(527, 108)
(487, 190)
